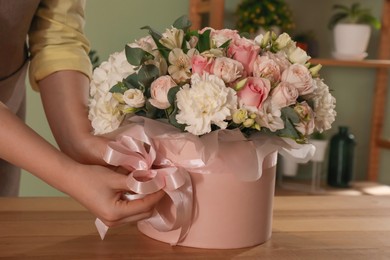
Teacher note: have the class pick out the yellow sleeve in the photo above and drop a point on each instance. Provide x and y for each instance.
(57, 41)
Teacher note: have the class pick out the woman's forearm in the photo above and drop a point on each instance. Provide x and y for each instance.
(99, 189)
(65, 99)
(22, 147)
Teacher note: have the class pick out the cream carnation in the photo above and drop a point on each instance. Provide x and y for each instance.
(324, 106)
(208, 101)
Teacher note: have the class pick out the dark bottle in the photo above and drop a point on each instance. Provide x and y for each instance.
(341, 157)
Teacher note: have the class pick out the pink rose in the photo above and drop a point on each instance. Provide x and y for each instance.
(299, 76)
(159, 91)
(280, 59)
(245, 52)
(254, 92)
(227, 69)
(219, 37)
(264, 67)
(284, 94)
(200, 64)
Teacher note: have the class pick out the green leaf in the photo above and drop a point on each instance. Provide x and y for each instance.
(155, 34)
(119, 88)
(147, 74)
(153, 112)
(172, 118)
(182, 23)
(288, 130)
(172, 95)
(137, 56)
(289, 113)
(225, 44)
(132, 81)
(204, 41)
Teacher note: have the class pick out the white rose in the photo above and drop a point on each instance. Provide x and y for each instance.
(299, 76)
(297, 55)
(283, 41)
(227, 69)
(134, 98)
(159, 92)
(208, 101)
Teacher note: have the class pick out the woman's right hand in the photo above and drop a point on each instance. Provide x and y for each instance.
(101, 191)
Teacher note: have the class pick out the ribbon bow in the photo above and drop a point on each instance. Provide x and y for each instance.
(135, 151)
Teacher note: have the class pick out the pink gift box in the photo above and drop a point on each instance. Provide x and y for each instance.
(219, 187)
(228, 213)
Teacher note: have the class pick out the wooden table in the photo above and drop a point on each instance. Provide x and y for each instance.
(304, 227)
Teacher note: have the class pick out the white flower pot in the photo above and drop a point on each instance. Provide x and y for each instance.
(319, 154)
(351, 41)
(289, 166)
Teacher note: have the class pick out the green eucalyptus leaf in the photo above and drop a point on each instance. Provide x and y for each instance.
(172, 118)
(182, 23)
(289, 113)
(289, 130)
(119, 88)
(151, 111)
(155, 34)
(147, 74)
(172, 95)
(132, 81)
(137, 56)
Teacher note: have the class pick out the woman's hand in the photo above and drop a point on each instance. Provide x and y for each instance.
(101, 191)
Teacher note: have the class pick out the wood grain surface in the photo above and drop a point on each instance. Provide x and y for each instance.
(304, 227)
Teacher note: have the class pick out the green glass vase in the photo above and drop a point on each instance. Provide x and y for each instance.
(341, 158)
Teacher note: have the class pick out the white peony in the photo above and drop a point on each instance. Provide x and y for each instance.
(208, 101)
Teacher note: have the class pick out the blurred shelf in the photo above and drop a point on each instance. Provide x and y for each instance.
(352, 63)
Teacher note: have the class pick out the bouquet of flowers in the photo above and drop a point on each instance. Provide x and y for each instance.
(200, 81)
(191, 108)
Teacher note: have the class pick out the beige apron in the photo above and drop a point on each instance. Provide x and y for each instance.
(15, 20)
(10, 174)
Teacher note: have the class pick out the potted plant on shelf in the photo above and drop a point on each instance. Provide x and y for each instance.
(256, 17)
(351, 27)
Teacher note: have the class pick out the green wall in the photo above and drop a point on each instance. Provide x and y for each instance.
(111, 24)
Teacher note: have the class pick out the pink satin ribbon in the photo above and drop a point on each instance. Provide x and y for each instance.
(136, 152)
(164, 155)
